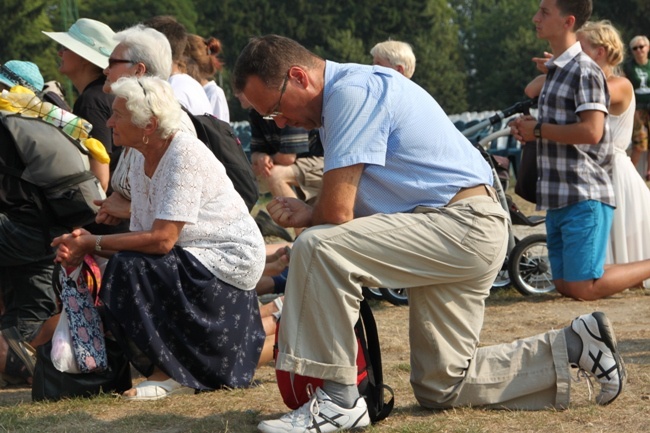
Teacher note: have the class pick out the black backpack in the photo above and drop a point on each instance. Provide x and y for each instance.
(58, 166)
(370, 380)
(222, 141)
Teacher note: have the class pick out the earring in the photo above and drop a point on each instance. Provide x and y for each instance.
(145, 140)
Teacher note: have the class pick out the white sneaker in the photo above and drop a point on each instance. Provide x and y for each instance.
(320, 414)
(600, 357)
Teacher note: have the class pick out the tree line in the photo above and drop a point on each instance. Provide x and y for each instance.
(471, 54)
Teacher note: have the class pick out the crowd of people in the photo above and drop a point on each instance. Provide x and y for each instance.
(375, 197)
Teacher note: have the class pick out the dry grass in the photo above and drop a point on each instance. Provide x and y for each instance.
(508, 316)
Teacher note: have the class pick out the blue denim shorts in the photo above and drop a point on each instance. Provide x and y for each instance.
(577, 237)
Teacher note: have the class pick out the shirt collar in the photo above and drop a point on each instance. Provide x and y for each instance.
(566, 56)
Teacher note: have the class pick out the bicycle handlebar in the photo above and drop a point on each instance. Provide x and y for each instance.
(522, 107)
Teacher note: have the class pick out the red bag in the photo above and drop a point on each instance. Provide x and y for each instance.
(294, 387)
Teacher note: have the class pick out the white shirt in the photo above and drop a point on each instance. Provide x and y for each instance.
(190, 94)
(191, 185)
(217, 99)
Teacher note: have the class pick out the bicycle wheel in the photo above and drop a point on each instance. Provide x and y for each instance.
(372, 293)
(395, 296)
(529, 268)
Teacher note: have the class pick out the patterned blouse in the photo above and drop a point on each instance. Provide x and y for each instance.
(191, 185)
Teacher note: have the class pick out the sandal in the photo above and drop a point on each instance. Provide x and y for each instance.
(21, 356)
(153, 390)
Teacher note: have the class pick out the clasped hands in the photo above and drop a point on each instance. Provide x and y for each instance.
(113, 209)
(72, 247)
(522, 128)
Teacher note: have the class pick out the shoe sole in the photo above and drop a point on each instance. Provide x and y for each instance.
(23, 350)
(609, 338)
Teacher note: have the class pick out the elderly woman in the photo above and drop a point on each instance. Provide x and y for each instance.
(178, 289)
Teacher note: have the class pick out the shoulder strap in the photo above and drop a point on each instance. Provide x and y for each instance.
(373, 361)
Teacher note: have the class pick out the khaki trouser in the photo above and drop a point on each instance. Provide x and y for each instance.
(448, 259)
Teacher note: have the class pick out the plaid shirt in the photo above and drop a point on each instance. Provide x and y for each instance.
(569, 174)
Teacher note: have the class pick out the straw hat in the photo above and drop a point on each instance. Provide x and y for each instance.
(26, 74)
(89, 39)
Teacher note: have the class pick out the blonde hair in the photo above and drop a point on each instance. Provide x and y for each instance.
(604, 34)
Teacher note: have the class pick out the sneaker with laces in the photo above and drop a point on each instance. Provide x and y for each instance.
(319, 415)
(600, 357)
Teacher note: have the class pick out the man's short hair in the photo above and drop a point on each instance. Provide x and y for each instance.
(270, 57)
(397, 54)
(173, 30)
(580, 9)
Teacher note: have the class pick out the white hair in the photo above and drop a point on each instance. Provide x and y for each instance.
(149, 47)
(639, 38)
(148, 97)
(397, 54)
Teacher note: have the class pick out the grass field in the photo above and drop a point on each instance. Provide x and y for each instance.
(508, 316)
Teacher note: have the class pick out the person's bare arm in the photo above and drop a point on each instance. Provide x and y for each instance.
(621, 92)
(159, 240)
(101, 172)
(534, 88)
(335, 204)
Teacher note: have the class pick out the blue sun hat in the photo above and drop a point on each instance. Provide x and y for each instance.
(90, 39)
(26, 74)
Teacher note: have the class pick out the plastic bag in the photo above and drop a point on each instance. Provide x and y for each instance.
(62, 354)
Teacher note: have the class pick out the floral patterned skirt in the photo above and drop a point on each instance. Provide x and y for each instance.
(169, 311)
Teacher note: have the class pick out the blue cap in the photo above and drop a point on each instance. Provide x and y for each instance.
(26, 74)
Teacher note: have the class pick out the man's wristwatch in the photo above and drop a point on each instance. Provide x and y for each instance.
(538, 130)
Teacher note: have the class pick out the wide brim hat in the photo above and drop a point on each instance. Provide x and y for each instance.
(89, 39)
(26, 74)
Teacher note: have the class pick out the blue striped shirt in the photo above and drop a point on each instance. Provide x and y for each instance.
(413, 154)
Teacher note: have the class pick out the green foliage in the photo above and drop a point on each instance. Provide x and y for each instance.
(471, 54)
(120, 14)
(501, 42)
(22, 38)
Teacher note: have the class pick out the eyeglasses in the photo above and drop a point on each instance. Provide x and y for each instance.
(113, 62)
(275, 112)
(638, 47)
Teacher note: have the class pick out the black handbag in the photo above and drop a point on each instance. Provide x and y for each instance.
(526, 186)
(51, 384)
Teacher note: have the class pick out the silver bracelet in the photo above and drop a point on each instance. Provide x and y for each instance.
(98, 247)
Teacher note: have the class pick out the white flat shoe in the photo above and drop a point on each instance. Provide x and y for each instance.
(153, 390)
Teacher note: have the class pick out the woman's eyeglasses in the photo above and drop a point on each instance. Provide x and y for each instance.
(113, 62)
(638, 47)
